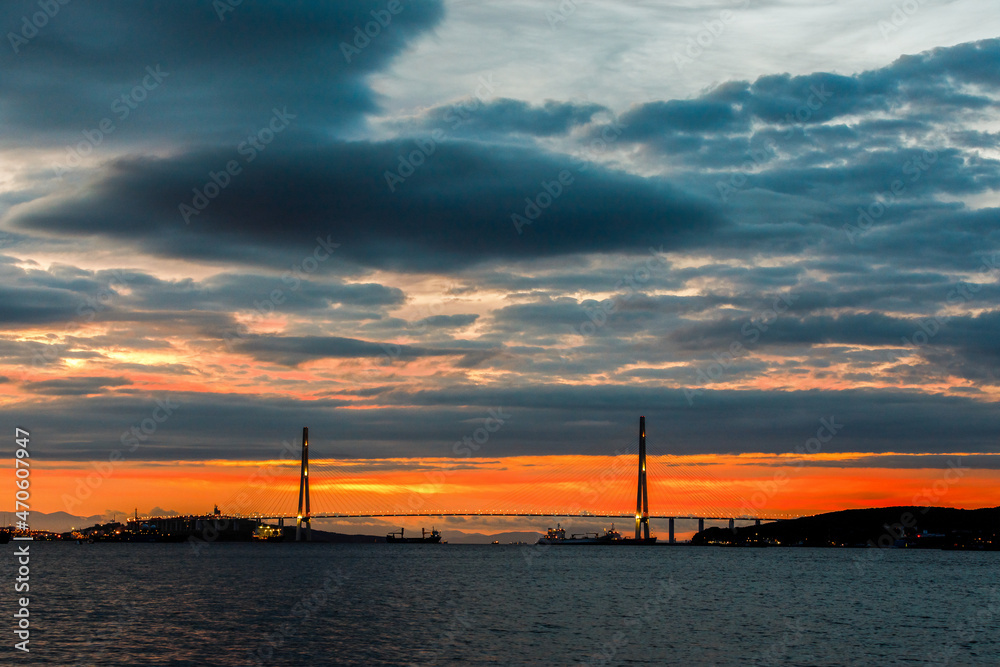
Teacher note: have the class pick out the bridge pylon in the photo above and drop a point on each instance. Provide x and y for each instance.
(303, 516)
(642, 494)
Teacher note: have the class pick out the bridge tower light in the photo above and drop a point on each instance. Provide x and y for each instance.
(303, 513)
(642, 493)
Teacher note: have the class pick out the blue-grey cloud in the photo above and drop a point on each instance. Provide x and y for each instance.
(219, 75)
(464, 203)
(76, 386)
(505, 116)
(547, 419)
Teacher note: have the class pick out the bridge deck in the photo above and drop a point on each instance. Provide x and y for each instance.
(534, 514)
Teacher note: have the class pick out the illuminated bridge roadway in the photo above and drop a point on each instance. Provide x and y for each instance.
(641, 515)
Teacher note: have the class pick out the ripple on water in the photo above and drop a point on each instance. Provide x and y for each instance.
(288, 604)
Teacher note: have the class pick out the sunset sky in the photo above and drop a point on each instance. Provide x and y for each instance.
(469, 248)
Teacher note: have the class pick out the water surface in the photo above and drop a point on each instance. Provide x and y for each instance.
(308, 604)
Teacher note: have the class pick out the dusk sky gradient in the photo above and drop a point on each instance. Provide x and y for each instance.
(738, 219)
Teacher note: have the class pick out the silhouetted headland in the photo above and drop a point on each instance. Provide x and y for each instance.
(901, 527)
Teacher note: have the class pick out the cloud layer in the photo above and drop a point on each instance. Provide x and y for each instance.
(267, 239)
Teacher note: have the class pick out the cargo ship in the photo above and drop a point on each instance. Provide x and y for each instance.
(557, 535)
(432, 537)
(267, 533)
(628, 541)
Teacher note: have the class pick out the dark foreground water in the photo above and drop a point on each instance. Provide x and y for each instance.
(318, 604)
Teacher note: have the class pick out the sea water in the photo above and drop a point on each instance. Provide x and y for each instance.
(383, 604)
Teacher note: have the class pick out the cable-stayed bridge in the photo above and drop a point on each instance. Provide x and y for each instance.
(596, 487)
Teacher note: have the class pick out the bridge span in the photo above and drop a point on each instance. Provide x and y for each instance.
(304, 516)
(700, 519)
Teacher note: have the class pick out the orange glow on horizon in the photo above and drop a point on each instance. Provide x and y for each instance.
(703, 485)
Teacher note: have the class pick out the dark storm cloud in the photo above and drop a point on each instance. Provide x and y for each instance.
(627, 312)
(167, 369)
(858, 329)
(447, 321)
(740, 421)
(974, 344)
(197, 426)
(32, 306)
(707, 115)
(76, 386)
(592, 336)
(781, 231)
(135, 342)
(545, 314)
(66, 294)
(31, 296)
(294, 350)
(456, 209)
(221, 74)
(546, 419)
(930, 80)
(814, 138)
(241, 291)
(972, 62)
(922, 172)
(603, 273)
(903, 462)
(977, 333)
(507, 116)
(975, 138)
